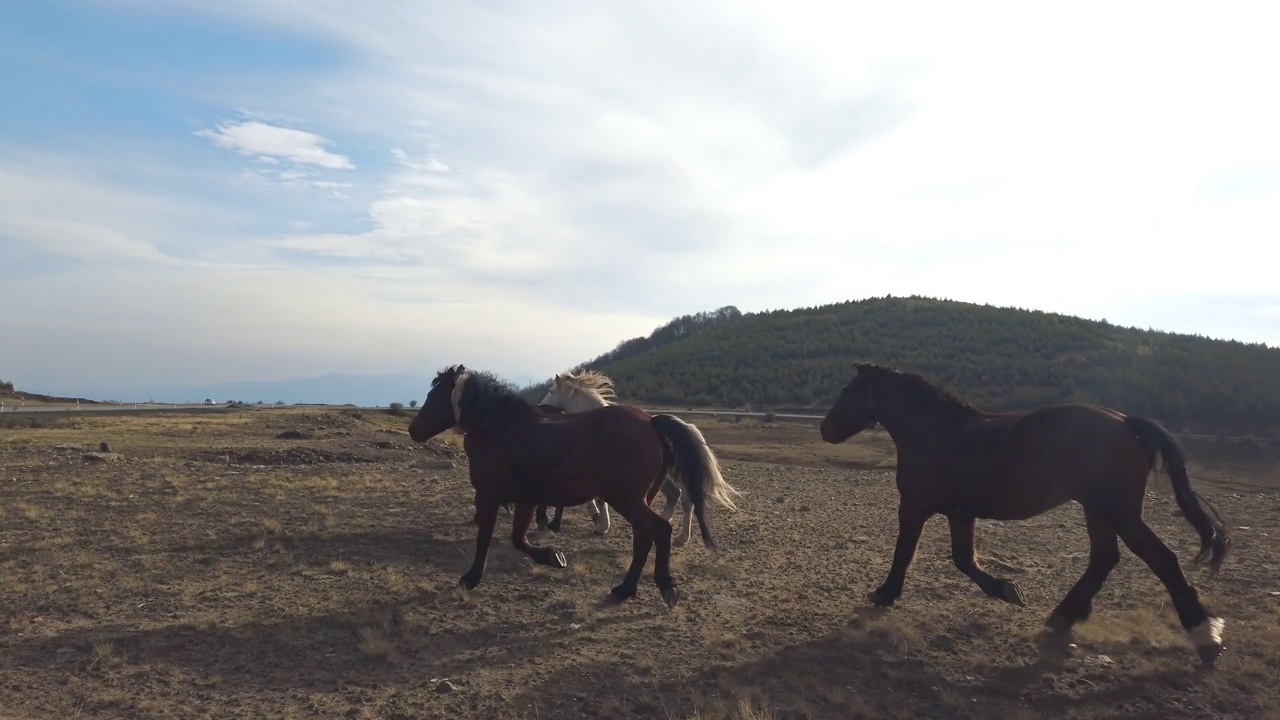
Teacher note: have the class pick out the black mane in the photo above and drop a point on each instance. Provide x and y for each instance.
(917, 386)
(449, 372)
(485, 395)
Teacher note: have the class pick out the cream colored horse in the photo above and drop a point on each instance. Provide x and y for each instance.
(587, 390)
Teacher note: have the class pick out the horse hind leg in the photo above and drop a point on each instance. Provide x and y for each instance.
(555, 524)
(671, 493)
(1204, 629)
(1104, 555)
(520, 539)
(662, 559)
(642, 530)
(686, 523)
(601, 516)
(962, 554)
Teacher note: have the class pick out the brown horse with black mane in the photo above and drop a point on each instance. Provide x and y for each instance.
(963, 463)
(521, 454)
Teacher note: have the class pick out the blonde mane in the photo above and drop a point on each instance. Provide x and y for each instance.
(590, 381)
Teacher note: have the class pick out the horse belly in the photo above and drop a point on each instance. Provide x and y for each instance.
(1022, 491)
(550, 486)
(1018, 506)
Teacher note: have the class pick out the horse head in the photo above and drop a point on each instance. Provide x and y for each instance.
(853, 411)
(441, 410)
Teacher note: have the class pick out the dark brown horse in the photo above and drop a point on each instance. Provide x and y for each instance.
(522, 455)
(963, 463)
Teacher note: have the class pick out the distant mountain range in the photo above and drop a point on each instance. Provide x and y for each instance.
(332, 389)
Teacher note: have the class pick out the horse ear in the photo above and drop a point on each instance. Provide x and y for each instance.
(862, 367)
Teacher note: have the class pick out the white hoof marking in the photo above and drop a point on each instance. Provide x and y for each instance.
(1208, 632)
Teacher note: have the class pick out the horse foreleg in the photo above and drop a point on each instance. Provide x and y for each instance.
(963, 556)
(487, 517)
(910, 523)
(520, 539)
(1104, 555)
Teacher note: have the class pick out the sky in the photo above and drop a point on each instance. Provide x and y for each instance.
(272, 189)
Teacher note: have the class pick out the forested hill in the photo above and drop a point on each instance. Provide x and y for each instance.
(995, 358)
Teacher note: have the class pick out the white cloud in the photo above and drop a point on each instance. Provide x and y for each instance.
(431, 164)
(589, 170)
(271, 143)
(782, 153)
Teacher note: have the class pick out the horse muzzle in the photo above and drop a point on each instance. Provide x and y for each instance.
(417, 433)
(827, 433)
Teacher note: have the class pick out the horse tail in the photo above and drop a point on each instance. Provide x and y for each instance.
(696, 469)
(1214, 539)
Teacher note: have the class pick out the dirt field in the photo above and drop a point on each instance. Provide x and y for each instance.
(207, 568)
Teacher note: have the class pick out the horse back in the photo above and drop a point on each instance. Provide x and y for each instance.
(561, 453)
(1014, 465)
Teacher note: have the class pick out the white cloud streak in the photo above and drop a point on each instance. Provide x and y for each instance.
(272, 143)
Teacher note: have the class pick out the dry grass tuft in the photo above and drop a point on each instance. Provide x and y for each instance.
(395, 581)
(1147, 625)
(31, 512)
(374, 642)
(742, 708)
(891, 632)
(103, 651)
(571, 608)
(729, 643)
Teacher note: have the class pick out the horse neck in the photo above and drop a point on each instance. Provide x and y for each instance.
(496, 419)
(906, 426)
(582, 401)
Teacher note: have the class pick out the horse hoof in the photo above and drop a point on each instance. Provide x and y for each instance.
(600, 532)
(622, 592)
(671, 596)
(1011, 593)
(1209, 654)
(1057, 624)
(879, 598)
(467, 582)
(679, 541)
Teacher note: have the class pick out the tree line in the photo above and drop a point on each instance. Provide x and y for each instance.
(995, 358)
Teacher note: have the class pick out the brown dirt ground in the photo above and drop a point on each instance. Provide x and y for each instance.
(216, 570)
